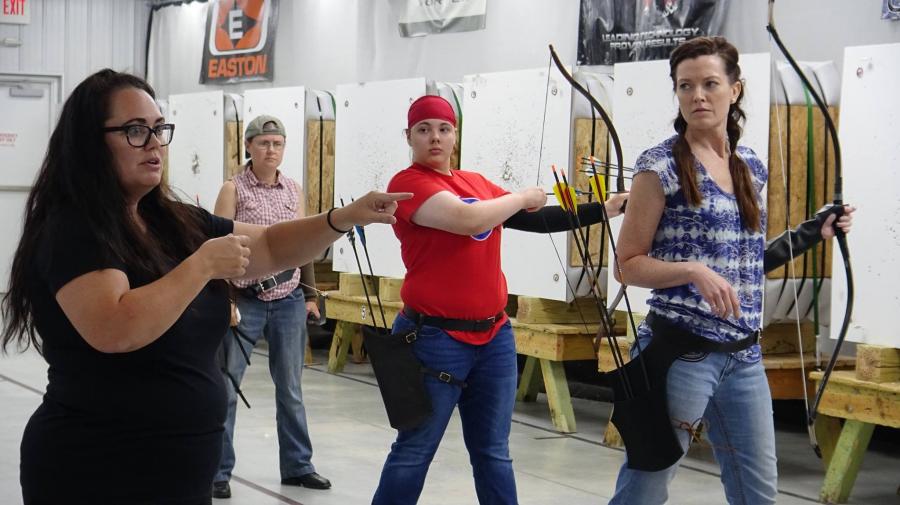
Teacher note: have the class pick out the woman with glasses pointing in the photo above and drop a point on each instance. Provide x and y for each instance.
(122, 289)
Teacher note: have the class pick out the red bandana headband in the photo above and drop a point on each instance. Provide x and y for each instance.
(430, 107)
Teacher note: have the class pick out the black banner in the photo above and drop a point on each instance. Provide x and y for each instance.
(613, 31)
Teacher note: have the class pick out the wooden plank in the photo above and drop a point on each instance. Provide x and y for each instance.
(876, 363)
(848, 378)
(845, 463)
(355, 309)
(319, 187)
(546, 344)
(340, 344)
(356, 347)
(540, 310)
(561, 413)
(828, 430)
(556, 329)
(778, 157)
(605, 360)
(454, 156)
(351, 285)
(234, 144)
(389, 289)
(786, 361)
(871, 402)
(623, 322)
(325, 275)
(787, 384)
(785, 379)
(530, 382)
(781, 338)
(165, 167)
(629, 330)
(582, 148)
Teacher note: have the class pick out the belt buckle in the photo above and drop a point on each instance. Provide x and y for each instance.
(492, 319)
(445, 377)
(267, 283)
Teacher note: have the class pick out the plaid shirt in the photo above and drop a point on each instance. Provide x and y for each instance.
(261, 203)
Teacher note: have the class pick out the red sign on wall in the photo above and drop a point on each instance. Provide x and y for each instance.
(15, 11)
(239, 41)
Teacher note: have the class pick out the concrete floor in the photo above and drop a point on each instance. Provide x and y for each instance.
(351, 438)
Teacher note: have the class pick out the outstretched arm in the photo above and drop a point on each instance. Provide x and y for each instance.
(553, 219)
(445, 211)
(290, 244)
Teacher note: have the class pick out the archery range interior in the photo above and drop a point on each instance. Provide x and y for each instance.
(340, 76)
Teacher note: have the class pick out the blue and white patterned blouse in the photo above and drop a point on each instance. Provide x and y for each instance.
(711, 234)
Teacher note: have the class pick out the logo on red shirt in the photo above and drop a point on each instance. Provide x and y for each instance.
(485, 234)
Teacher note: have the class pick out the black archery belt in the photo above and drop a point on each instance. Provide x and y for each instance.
(641, 406)
(401, 376)
(446, 323)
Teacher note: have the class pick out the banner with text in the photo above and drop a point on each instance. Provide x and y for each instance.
(239, 42)
(641, 30)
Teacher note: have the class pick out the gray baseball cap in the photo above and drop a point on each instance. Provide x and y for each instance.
(264, 125)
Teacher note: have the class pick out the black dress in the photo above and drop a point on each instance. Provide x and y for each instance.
(139, 427)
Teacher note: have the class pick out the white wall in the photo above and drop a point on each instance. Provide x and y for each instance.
(321, 44)
(324, 43)
(814, 30)
(76, 38)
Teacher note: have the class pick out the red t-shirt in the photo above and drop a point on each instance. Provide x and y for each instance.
(449, 275)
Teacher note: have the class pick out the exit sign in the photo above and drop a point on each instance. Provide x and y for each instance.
(15, 11)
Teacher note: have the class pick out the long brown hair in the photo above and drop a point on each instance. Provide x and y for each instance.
(78, 175)
(684, 158)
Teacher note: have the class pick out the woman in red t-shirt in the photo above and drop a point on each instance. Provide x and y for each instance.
(455, 292)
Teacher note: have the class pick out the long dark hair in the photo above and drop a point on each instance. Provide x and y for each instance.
(78, 175)
(684, 157)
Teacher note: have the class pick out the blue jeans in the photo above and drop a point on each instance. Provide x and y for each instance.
(485, 409)
(733, 399)
(283, 324)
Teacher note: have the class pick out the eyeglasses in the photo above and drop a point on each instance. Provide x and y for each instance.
(138, 135)
(265, 145)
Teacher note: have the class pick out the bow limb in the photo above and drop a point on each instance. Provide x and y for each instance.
(620, 187)
(839, 235)
(620, 179)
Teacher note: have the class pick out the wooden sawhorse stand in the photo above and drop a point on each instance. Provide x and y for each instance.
(863, 405)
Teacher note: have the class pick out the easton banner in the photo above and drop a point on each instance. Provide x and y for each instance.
(640, 30)
(239, 42)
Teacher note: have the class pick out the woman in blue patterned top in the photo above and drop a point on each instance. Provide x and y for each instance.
(695, 233)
